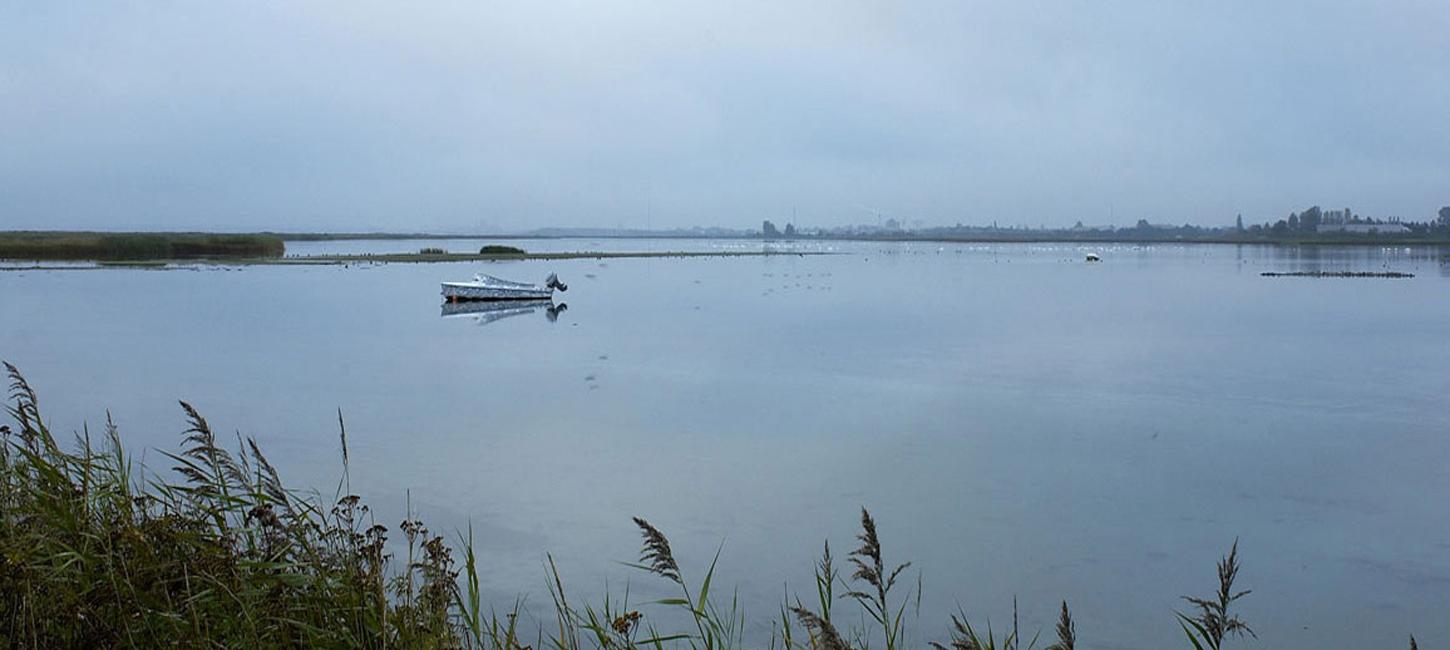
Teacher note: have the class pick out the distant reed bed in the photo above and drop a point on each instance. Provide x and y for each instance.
(216, 552)
(136, 246)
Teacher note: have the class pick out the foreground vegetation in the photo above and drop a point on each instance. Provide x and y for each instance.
(136, 246)
(96, 552)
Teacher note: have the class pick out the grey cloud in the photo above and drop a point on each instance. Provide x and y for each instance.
(457, 115)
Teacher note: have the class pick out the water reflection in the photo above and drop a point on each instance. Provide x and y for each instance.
(1320, 258)
(485, 312)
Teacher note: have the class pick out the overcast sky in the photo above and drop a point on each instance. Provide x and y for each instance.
(483, 115)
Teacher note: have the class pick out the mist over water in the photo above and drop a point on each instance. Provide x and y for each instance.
(1020, 422)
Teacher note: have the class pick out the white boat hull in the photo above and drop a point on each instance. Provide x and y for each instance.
(486, 287)
(455, 291)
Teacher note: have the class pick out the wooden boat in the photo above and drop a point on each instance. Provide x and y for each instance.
(487, 287)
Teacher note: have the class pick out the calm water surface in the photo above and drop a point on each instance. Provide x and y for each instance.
(1021, 423)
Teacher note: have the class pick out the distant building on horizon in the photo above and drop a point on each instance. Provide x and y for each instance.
(1394, 228)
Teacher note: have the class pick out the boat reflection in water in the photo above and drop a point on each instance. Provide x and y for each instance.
(487, 312)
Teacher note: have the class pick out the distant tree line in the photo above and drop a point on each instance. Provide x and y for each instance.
(769, 231)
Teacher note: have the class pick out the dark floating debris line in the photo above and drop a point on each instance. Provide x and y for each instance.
(1336, 274)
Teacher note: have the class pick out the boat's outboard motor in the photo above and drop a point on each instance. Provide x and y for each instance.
(553, 282)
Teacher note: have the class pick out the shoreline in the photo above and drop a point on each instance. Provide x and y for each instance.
(84, 257)
(985, 239)
(374, 258)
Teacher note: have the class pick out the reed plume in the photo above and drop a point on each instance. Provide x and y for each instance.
(20, 391)
(1214, 622)
(1066, 631)
(826, 578)
(871, 569)
(269, 482)
(24, 407)
(656, 556)
(823, 634)
(963, 637)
